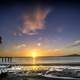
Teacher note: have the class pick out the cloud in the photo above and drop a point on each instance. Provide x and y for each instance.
(17, 33)
(75, 43)
(34, 21)
(21, 46)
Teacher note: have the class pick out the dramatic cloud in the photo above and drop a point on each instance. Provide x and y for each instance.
(34, 20)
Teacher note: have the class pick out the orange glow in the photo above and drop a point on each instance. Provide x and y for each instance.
(34, 53)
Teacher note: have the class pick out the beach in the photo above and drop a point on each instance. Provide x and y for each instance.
(40, 73)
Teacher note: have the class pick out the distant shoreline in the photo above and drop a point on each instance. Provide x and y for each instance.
(72, 55)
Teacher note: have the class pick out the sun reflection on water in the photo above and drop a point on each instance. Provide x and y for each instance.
(34, 60)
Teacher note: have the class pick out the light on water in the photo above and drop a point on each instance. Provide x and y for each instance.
(34, 60)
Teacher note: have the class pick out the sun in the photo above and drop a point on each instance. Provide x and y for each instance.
(34, 53)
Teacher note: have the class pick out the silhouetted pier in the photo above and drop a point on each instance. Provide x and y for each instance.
(6, 59)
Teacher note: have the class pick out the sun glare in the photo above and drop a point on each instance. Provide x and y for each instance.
(34, 53)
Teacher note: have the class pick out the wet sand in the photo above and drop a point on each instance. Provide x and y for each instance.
(47, 64)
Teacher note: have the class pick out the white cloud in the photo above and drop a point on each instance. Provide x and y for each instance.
(20, 46)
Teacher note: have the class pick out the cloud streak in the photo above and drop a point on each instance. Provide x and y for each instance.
(21, 46)
(75, 44)
(34, 21)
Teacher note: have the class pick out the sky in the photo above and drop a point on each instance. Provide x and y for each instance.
(47, 27)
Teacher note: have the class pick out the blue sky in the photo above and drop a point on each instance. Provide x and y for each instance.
(54, 26)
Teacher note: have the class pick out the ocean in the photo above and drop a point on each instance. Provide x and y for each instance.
(43, 60)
